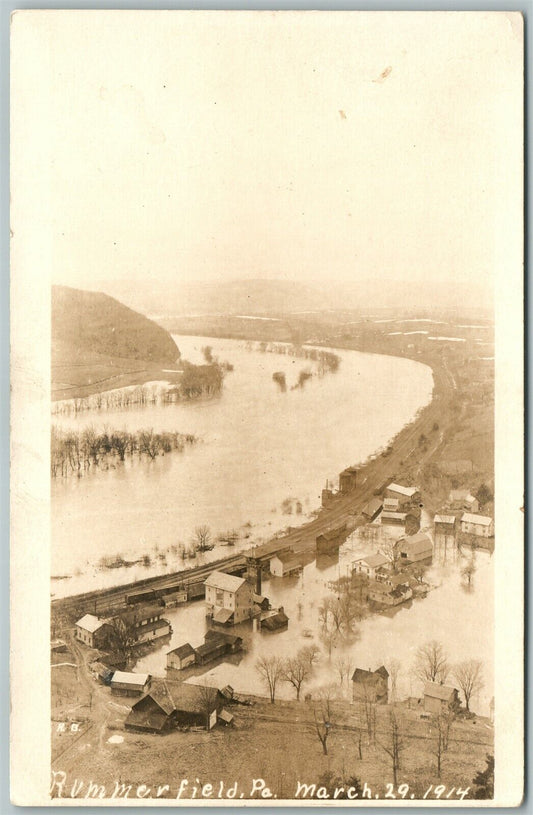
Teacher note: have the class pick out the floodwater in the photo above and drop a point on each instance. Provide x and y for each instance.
(454, 613)
(258, 447)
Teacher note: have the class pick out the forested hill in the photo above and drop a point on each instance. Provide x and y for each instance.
(85, 323)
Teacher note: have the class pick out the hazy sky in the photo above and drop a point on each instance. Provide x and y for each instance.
(280, 145)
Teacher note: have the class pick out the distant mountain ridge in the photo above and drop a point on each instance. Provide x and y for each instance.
(86, 323)
(264, 297)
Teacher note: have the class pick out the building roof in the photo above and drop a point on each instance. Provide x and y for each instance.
(421, 542)
(333, 534)
(373, 560)
(436, 691)
(399, 516)
(146, 719)
(223, 615)
(408, 491)
(444, 519)
(210, 646)
(388, 503)
(393, 579)
(141, 613)
(469, 518)
(275, 621)
(183, 651)
(373, 506)
(461, 495)
(259, 598)
(129, 678)
(288, 558)
(171, 696)
(224, 636)
(90, 623)
(225, 716)
(369, 677)
(224, 582)
(349, 471)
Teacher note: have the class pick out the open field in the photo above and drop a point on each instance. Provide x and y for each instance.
(274, 742)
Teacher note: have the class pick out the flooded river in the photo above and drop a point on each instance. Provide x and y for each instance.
(258, 447)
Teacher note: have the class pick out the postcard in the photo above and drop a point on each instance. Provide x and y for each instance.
(267, 408)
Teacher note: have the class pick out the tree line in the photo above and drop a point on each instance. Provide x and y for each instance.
(76, 451)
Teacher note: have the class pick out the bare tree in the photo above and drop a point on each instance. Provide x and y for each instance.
(469, 677)
(323, 715)
(394, 743)
(343, 666)
(296, 670)
(202, 538)
(431, 664)
(270, 670)
(391, 551)
(310, 653)
(122, 637)
(208, 701)
(443, 724)
(329, 638)
(393, 666)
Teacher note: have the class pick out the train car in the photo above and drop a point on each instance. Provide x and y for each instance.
(144, 596)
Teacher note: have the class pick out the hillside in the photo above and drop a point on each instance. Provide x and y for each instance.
(100, 344)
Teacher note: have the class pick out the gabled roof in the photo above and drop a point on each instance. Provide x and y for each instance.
(210, 646)
(277, 620)
(289, 558)
(408, 491)
(224, 636)
(183, 650)
(421, 542)
(140, 614)
(171, 696)
(399, 516)
(90, 623)
(373, 560)
(469, 518)
(225, 582)
(129, 678)
(373, 506)
(444, 519)
(436, 691)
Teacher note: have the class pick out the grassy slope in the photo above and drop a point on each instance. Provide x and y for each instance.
(99, 344)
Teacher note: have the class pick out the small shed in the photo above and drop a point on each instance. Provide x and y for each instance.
(261, 601)
(391, 504)
(393, 518)
(233, 641)
(371, 510)
(174, 599)
(226, 718)
(181, 657)
(211, 649)
(125, 683)
(275, 622)
(438, 698)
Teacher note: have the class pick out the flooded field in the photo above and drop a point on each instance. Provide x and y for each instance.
(450, 606)
(262, 459)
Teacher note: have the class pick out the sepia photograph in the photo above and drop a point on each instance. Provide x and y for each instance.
(267, 408)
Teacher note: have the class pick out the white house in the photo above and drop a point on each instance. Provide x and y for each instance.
(91, 630)
(480, 525)
(369, 565)
(285, 563)
(228, 599)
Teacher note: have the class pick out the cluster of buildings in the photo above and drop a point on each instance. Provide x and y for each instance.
(461, 514)
(373, 687)
(144, 624)
(399, 506)
(387, 581)
(216, 644)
